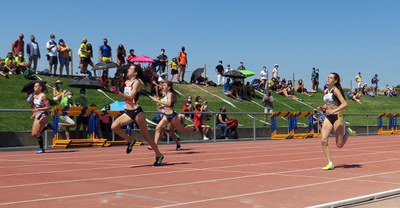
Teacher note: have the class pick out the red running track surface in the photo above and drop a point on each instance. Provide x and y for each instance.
(284, 173)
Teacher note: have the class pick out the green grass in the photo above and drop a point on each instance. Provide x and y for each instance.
(12, 98)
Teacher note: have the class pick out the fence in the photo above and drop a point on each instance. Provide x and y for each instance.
(364, 124)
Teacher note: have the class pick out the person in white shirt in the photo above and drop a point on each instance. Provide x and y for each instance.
(52, 54)
(275, 71)
(264, 72)
(228, 68)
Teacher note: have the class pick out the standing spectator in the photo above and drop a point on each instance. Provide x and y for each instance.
(375, 81)
(268, 105)
(359, 81)
(105, 53)
(264, 72)
(162, 60)
(130, 56)
(241, 66)
(52, 54)
(316, 79)
(183, 63)
(220, 71)
(174, 69)
(228, 68)
(105, 123)
(82, 120)
(121, 54)
(275, 71)
(63, 55)
(84, 56)
(32, 49)
(104, 80)
(18, 45)
(313, 80)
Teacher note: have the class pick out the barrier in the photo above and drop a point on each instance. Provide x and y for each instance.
(392, 126)
(292, 125)
(93, 127)
(274, 126)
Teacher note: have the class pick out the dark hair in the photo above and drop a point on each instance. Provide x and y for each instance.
(44, 87)
(337, 84)
(222, 109)
(138, 69)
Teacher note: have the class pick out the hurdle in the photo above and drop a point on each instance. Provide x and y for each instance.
(274, 125)
(293, 120)
(392, 126)
(93, 127)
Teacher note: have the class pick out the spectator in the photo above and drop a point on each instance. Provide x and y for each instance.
(82, 120)
(183, 63)
(58, 93)
(162, 60)
(198, 121)
(2, 69)
(375, 81)
(130, 56)
(64, 57)
(365, 89)
(359, 81)
(222, 119)
(174, 69)
(241, 66)
(264, 73)
(65, 120)
(268, 105)
(228, 68)
(290, 87)
(300, 88)
(104, 80)
(318, 120)
(282, 89)
(52, 54)
(249, 91)
(105, 52)
(263, 84)
(356, 95)
(275, 71)
(84, 56)
(226, 89)
(393, 92)
(314, 80)
(18, 45)
(386, 91)
(155, 86)
(188, 106)
(10, 65)
(219, 69)
(121, 54)
(105, 123)
(33, 51)
(272, 84)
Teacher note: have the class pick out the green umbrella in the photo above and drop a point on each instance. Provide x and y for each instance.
(247, 73)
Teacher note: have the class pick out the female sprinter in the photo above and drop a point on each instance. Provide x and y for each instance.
(166, 104)
(40, 115)
(133, 112)
(334, 104)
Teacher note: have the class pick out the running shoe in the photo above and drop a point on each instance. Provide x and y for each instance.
(329, 167)
(178, 147)
(159, 160)
(130, 146)
(40, 151)
(350, 131)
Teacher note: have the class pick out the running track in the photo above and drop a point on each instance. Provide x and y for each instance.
(224, 174)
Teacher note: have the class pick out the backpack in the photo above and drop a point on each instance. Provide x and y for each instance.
(232, 123)
(29, 74)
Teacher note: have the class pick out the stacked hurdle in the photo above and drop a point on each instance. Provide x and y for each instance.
(292, 125)
(93, 127)
(392, 125)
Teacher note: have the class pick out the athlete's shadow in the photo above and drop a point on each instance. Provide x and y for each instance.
(349, 166)
(60, 151)
(163, 164)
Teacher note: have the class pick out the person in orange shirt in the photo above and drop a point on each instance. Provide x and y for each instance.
(183, 63)
(63, 56)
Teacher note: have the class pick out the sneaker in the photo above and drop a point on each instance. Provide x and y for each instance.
(130, 146)
(40, 151)
(350, 131)
(329, 167)
(178, 147)
(159, 160)
(205, 138)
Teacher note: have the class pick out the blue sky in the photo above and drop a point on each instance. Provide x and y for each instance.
(342, 36)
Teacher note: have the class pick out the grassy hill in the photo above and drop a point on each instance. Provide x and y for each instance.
(12, 98)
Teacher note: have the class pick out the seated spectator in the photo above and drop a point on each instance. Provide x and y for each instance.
(365, 89)
(318, 119)
(198, 121)
(237, 89)
(2, 72)
(58, 93)
(21, 63)
(105, 80)
(282, 90)
(393, 92)
(263, 84)
(10, 65)
(271, 84)
(355, 95)
(290, 87)
(188, 106)
(300, 88)
(386, 91)
(221, 122)
(249, 92)
(155, 86)
(226, 88)
(255, 83)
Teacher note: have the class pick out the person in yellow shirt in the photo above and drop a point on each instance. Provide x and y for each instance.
(174, 69)
(84, 56)
(358, 80)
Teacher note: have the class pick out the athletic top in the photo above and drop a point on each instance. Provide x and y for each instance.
(128, 91)
(182, 58)
(39, 102)
(330, 98)
(165, 99)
